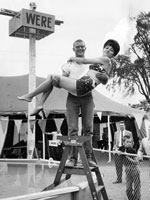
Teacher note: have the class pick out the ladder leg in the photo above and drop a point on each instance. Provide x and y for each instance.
(100, 182)
(88, 174)
(99, 178)
(96, 192)
(61, 166)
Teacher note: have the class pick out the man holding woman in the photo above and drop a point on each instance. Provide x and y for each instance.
(79, 88)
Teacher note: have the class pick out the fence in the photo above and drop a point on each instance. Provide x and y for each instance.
(135, 183)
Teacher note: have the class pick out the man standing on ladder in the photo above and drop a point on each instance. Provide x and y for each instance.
(76, 105)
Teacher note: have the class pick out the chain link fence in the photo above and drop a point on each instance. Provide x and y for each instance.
(134, 176)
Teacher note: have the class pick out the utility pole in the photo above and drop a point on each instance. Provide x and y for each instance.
(32, 25)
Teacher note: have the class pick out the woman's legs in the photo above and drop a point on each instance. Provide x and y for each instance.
(64, 82)
(41, 102)
(46, 88)
(68, 84)
(43, 87)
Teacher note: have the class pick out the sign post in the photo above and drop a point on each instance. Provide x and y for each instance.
(32, 86)
(32, 25)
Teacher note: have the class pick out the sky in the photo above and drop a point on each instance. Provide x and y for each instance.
(93, 21)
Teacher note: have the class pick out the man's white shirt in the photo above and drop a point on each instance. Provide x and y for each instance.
(75, 70)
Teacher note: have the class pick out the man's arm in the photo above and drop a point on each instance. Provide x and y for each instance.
(114, 144)
(132, 160)
(140, 152)
(65, 72)
(65, 69)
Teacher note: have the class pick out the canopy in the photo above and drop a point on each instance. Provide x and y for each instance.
(11, 87)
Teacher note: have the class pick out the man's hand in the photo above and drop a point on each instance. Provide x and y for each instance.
(78, 60)
(102, 77)
(71, 59)
(118, 152)
(140, 156)
(55, 81)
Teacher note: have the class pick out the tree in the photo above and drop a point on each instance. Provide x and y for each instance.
(130, 74)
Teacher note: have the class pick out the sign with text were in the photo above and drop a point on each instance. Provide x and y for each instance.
(26, 19)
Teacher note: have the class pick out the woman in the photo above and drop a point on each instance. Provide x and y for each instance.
(98, 73)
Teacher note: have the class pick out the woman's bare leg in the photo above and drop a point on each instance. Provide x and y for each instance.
(43, 87)
(68, 84)
(41, 102)
(46, 88)
(58, 81)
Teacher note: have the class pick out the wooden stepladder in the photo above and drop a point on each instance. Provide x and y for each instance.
(96, 191)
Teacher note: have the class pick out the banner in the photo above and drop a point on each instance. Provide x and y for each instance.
(3, 130)
(32, 125)
(4, 123)
(58, 122)
(16, 136)
(138, 118)
(31, 139)
(42, 124)
(18, 124)
(99, 114)
(16, 131)
(23, 132)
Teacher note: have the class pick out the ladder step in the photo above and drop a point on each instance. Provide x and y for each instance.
(69, 170)
(77, 170)
(99, 188)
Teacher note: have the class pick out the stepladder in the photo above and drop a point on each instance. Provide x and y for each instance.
(98, 190)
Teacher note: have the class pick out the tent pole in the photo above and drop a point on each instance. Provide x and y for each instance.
(109, 137)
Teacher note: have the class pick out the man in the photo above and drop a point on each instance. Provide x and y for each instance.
(118, 141)
(144, 148)
(76, 105)
(133, 182)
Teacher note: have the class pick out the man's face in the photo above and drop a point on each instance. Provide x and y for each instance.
(122, 127)
(128, 143)
(79, 49)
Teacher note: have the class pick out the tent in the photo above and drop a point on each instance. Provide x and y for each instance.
(11, 87)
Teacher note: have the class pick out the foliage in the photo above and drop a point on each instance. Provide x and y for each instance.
(127, 74)
(142, 105)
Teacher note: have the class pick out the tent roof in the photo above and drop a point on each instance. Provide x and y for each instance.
(11, 87)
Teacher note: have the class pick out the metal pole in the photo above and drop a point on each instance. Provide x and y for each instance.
(109, 137)
(32, 86)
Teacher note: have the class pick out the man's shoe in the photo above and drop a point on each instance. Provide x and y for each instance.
(71, 162)
(79, 163)
(117, 181)
(91, 162)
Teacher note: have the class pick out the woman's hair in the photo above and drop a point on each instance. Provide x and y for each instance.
(114, 44)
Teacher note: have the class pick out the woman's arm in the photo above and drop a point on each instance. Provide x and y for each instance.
(99, 60)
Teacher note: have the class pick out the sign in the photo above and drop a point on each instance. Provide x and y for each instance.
(37, 20)
(20, 25)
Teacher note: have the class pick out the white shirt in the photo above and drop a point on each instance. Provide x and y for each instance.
(145, 147)
(120, 139)
(75, 70)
